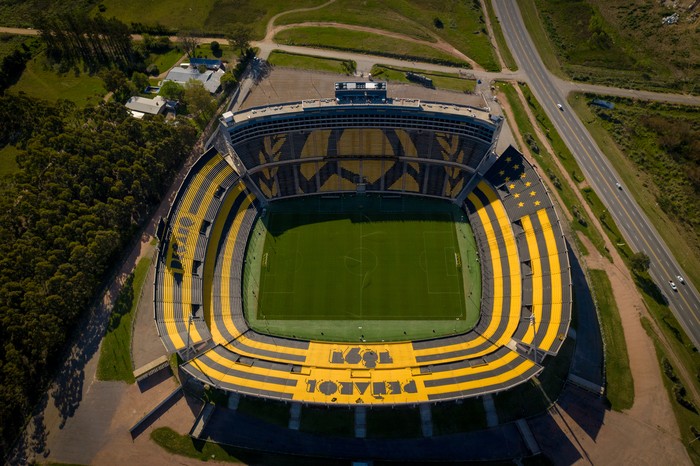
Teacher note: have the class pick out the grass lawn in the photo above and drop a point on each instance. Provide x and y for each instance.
(619, 383)
(175, 14)
(363, 42)
(8, 161)
(165, 61)
(332, 268)
(616, 42)
(305, 62)
(44, 83)
(447, 81)
(205, 16)
(184, 445)
(115, 353)
(653, 147)
(459, 23)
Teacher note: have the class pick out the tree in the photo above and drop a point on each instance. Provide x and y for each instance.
(215, 48)
(199, 101)
(115, 81)
(239, 36)
(640, 262)
(202, 68)
(228, 81)
(188, 42)
(171, 90)
(152, 70)
(87, 182)
(140, 81)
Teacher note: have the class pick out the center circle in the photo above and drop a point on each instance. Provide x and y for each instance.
(360, 261)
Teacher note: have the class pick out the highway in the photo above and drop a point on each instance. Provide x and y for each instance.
(602, 177)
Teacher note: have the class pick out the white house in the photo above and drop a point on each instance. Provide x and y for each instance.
(210, 78)
(140, 106)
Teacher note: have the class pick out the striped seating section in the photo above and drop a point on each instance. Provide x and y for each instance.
(543, 253)
(179, 270)
(525, 273)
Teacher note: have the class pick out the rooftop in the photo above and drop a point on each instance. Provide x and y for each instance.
(145, 105)
(210, 79)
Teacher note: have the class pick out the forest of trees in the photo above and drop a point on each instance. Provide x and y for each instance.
(88, 180)
(73, 38)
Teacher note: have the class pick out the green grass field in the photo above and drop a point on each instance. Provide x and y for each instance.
(365, 42)
(616, 42)
(449, 81)
(305, 62)
(42, 82)
(115, 352)
(459, 23)
(333, 268)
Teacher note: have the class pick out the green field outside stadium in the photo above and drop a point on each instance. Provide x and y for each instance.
(362, 267)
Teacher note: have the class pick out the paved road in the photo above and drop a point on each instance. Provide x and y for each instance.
(638, 231)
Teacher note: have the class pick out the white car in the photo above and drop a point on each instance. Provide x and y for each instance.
(673, 285)
(619, 186)
(560, 107)
(680, 279)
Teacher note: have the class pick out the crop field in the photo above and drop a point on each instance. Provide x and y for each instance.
(332, 266)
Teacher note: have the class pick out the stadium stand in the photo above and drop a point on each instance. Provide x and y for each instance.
(310, 148)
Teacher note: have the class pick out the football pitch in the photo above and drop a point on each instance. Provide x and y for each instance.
(362, 268)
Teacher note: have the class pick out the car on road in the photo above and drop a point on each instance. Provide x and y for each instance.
(619, 186)
(673, 285)
(680, 279)
(560, 107)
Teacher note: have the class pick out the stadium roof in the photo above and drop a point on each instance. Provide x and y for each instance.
(295, 107)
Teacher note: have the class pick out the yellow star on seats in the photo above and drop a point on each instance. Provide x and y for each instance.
(523, 175)
(537, 203)
(502, 172)
(508, 159)
(520, 204)
(511, 186)
(516, 166)
(532, 193)
(516, 195)
(507, 179)
(527, 184)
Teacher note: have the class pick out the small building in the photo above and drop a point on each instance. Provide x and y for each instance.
(210, 63)
(210, 78)
(140, 106)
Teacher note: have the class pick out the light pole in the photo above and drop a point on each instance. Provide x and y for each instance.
(534, 334)
(189, 324)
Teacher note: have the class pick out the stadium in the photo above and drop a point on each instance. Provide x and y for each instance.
(362, 250)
